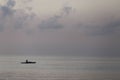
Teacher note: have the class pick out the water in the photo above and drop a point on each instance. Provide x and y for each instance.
(59, 68)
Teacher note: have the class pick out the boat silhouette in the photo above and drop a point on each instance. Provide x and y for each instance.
(28, 62)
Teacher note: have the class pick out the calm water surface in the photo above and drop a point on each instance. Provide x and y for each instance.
(59, 68)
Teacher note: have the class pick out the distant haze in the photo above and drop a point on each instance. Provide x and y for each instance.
(60, 27)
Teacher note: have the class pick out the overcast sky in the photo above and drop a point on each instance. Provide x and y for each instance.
(60, 27)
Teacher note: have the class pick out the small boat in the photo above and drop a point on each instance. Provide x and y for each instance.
(28, 62)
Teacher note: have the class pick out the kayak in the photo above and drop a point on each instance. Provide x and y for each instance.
(28, 62)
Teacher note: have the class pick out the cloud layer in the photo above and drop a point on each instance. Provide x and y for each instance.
(96, 21)
(78, 28)
(53, 22)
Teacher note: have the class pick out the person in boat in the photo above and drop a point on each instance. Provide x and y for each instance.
(26, 61)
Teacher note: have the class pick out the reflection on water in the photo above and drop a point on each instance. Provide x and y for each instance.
(60, 68)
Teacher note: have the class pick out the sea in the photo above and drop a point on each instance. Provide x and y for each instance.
(59, 68)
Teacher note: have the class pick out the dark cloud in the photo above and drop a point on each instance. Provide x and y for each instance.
(20, 19)
(53, 22)
(9, 17)
(67, 10)
(110, 28)
(11, 3)
(6, 11)
(106, 28)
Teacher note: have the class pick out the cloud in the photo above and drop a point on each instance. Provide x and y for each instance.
(106, 28)
(53, 22)
(66, 10)
(11, 18)
(7, 10)
(100, 24)
(27, 1)
(18, 19)
(11, 3)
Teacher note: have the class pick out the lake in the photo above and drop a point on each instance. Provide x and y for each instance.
(59, 68)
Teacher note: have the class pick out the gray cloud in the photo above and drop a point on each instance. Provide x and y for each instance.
(11, 3)
(53, 22)
(66, 10)
(9, 17)
(113, 25)
(105, 28)
(6, 11)
(19, 19)
(110, 28)
(27, 1)
(98, 18)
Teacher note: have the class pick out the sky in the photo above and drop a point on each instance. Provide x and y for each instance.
(60, 27)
